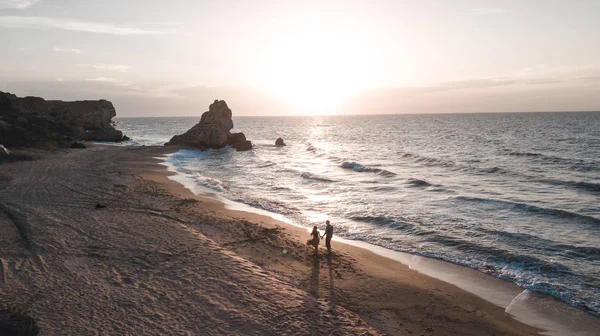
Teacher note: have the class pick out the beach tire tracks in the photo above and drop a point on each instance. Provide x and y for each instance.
(92, 195)
(153, 213)
(20, 222)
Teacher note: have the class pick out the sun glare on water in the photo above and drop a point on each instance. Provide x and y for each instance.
(315, 69)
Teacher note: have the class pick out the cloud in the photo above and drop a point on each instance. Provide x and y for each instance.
(161, 23)
(111, 81)
(102, 66)
(486, 11)
(25, 49)
(41, 22)
(67, 50)
(547, 89)
(539, 75)
(101, 79)
(17, 4)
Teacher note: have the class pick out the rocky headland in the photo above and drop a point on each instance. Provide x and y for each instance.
(36, 122)
(213, 131)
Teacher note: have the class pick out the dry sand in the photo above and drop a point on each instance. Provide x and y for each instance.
(160, 261)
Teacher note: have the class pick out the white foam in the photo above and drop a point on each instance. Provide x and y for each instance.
(190, 183)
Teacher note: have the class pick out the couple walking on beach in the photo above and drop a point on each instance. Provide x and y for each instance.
(316, 238)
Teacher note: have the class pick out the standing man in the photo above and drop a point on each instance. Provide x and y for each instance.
(328, 234)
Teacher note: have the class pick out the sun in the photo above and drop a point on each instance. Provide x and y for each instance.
(315, 69)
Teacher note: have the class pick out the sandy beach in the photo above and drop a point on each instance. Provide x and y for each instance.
(159, 260)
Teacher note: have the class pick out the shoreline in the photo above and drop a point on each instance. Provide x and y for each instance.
(163, 259)
(537, 310)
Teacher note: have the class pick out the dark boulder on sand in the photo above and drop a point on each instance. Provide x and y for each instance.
(34, 121)
(279, 142)
(213, 131)
(17, 324)
(78, 145)
(104, 135)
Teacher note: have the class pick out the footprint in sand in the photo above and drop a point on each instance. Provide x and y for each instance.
(119, 280)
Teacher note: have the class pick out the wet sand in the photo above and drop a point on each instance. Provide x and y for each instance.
(160, 260)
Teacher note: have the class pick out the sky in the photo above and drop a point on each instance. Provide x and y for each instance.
(284, 57)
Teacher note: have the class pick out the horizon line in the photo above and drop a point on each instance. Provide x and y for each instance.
(366, 115)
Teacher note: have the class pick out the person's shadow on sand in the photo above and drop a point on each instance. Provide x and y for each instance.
(331, 285)
(314, 278)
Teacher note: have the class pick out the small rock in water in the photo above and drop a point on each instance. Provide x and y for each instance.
(125, 138)
(100, 206)
(279, 142)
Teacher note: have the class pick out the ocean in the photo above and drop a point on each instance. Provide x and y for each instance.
(514, 195)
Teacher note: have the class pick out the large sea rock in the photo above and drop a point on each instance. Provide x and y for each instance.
(32, 121)
(213, 131)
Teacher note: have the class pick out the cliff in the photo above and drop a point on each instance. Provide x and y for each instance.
(33, 121)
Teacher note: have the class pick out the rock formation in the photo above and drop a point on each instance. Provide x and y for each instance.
(279, 142)
(32, 121)
(78, 145)
(239, 142)
(213, 131)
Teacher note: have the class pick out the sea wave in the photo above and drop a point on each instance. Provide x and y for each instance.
(418, 182)
(443, 163)
(492, 170)
(266, 164)
(533, 208)
(209, 182)
(267, 205)
(382, 188)
(389, 222)
(314, 177)
(575, 164)
(524, 240)
(579, 185)
(357, 167)
(513, 267)
(511, 153)
(428, 161)
(584, 166)
(499, 256)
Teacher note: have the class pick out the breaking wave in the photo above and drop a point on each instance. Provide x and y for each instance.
(357, 167)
